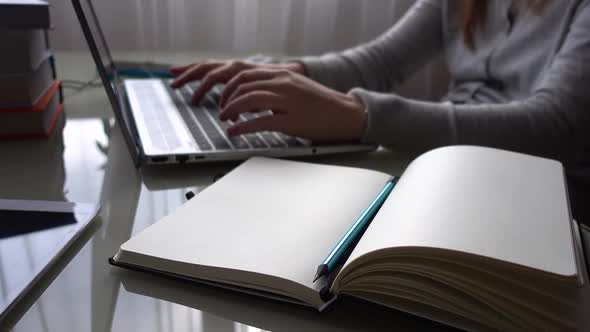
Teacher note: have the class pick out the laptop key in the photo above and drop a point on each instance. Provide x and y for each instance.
(219, 142)
(290, 140)
(199, 137)
(255, 141)
(200, 113)
(210, 130)
(215, 93)
(272, 140)
(192, 125)
(194, 85)
(214, 128)
(237, 141)
(269, 137)
(209, 103)
(222, 124)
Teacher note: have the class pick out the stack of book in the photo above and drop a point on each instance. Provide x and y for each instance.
(31, 98)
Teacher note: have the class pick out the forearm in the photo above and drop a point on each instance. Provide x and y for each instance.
(535, 126)
(388, 60)
(553, 121)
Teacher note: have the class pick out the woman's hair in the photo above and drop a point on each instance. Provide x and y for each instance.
(474, 13)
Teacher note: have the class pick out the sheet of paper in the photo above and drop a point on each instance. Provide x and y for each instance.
(482, 201)
(268, 216)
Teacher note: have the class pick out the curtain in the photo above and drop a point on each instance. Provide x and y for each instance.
(240, 27)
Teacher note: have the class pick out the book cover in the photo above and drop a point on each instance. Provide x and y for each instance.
(28, 49)
(34, 122)
(24, 90)
(24, 14)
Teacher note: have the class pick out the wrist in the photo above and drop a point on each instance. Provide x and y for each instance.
(359, 116)
(296, 67)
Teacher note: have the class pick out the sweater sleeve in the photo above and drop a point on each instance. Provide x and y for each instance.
(388, 60)
(554, 121)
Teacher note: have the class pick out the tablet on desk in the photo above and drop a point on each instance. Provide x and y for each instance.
(33, 235)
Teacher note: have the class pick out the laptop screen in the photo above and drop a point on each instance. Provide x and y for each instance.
(106, 69)
(99, 39)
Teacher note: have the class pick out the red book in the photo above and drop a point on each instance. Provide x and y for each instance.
(34, 122)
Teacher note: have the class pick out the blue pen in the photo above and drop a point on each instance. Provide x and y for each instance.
(346, 244)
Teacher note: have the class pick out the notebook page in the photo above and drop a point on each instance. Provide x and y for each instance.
(268, 216)
(482, 201)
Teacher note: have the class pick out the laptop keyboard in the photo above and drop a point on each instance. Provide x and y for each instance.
(210, 133)
(195, 130)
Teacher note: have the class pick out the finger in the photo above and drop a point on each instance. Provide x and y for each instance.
(196, 72)
(251, 102)
(267, 85)
(218, 76)
(177, 70)
(264, 123)
(244, 77)
(259, 111)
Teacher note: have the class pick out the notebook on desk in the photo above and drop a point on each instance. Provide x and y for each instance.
(472, 237)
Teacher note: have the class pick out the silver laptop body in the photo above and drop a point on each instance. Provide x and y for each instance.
(161, 126)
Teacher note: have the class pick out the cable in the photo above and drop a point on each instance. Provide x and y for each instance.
(79, 86)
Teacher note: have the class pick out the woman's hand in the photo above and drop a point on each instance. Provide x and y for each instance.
(300, 107)
(212, 72)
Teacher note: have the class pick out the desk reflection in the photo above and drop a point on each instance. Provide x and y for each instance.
(30, 169)
(34, 169)
(127, 208)
(60, 168)
(118, 199)
(182, 302)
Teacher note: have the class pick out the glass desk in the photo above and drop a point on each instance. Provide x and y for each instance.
(86, 160)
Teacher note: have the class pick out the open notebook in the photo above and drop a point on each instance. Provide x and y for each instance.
(473, 237)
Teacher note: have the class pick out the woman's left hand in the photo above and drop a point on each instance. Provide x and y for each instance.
(300, 107)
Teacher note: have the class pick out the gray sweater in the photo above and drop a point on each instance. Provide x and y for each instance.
(525, 87)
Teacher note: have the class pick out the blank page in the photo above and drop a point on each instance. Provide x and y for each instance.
(268, 216)
(482, 201)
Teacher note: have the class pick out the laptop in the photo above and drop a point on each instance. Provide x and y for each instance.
(161, 126)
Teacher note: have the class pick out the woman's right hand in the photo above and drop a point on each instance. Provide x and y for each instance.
(213, 72)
